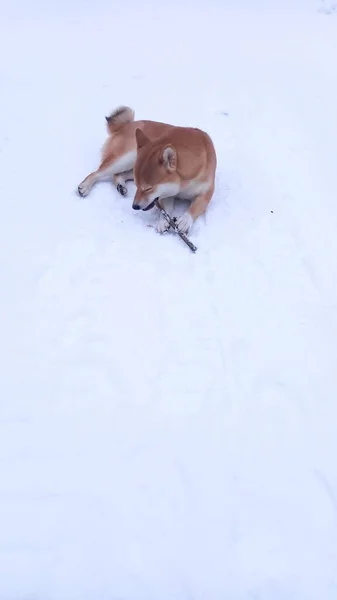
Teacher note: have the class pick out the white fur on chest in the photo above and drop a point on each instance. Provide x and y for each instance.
(193, 188)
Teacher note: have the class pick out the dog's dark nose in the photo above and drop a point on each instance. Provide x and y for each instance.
(136, 207)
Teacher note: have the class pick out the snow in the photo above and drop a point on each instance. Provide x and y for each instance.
(168, 420)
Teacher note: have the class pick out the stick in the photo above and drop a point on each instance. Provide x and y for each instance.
(173, 224)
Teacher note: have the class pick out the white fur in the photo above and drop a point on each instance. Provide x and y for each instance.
(193, 188)
(86, 185)
(124, 163)
(168, 189)
(185, 222)
(164, 190)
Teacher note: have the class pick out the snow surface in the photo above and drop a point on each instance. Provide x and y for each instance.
(167, 420)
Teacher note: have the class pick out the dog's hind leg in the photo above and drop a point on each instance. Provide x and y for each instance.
(109, 167)
(120, 180)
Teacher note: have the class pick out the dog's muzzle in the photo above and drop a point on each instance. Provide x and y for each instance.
(151, 205)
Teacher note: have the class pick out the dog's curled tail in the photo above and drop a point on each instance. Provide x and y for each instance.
(120, 116)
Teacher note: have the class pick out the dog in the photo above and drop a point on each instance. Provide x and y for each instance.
(166, 162)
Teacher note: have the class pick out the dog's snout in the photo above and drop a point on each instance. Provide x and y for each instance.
(136, 207)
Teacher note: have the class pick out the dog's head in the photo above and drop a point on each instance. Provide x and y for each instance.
(155, 172)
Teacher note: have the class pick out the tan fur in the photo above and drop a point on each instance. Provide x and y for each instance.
(167, 162)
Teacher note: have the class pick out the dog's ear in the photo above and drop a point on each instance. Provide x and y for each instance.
(168, 157)
(141, 139)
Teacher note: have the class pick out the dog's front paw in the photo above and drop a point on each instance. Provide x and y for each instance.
(185, 222)
(162, 226)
